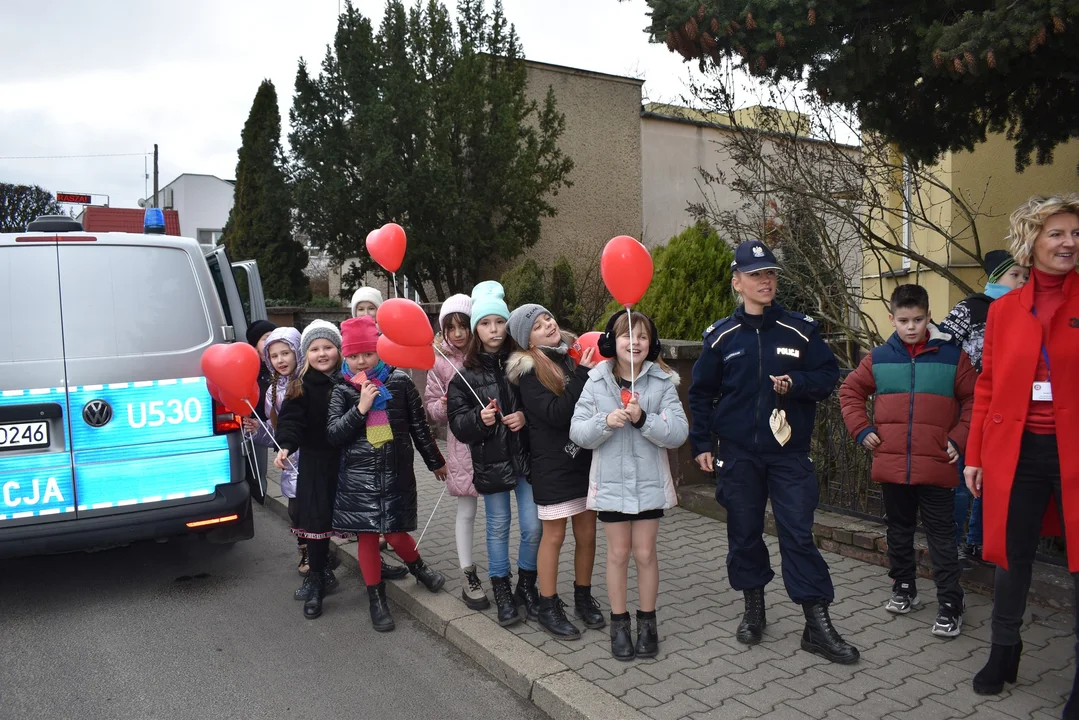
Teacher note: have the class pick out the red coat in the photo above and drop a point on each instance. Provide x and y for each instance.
(1013, 339)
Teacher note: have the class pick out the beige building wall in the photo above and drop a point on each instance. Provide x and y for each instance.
(987, 180)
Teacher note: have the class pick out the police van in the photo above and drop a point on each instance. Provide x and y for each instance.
(108, 433)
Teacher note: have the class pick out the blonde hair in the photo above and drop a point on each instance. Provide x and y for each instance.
(1029, 218)
(621, 327)
(295, 386)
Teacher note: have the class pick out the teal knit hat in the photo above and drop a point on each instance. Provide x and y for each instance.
(488, 299)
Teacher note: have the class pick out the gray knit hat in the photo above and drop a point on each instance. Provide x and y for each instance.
(521, 321)
(318, 330)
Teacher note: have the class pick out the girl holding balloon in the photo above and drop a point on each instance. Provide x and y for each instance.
(375, 414)
(485, 413)
(629, 415)
(455, 325)
(301, 423)
(550, 384)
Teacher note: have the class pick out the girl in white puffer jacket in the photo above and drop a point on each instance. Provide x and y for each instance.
(630, 484)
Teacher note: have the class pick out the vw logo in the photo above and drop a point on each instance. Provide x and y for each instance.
(97, 413)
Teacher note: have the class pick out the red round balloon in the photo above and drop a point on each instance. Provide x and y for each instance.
(232, 369)
(584, 342)
(404, 356)
(626, 267)
(404, 322)
(387, 246)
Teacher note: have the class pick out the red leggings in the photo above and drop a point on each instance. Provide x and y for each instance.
(371, 559)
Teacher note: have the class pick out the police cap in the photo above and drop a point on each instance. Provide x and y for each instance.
(753, 255)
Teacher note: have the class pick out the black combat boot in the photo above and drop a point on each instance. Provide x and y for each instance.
(552, 618)
(381, 620)
(507, 607)
(821, 638)
(621, 642)
(526, 594)
(393, 572)
(751, 629)
(313, 607)
(647, 635)
(586, 607)
(1003, 666)
(431, 579)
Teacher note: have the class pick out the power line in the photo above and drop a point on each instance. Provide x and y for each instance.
(107, 154)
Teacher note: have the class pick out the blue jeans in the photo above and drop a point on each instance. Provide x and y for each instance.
(965, 502)
(499, 515)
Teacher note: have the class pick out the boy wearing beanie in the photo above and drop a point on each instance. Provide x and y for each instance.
(966, 324)
(365, 301)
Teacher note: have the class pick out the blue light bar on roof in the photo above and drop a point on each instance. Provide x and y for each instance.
(154, 221)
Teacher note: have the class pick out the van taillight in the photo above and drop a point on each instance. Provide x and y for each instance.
(225, 421)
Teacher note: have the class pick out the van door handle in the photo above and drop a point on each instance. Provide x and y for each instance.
(229, 332)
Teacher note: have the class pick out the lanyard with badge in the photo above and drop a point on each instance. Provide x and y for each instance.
(1043, 391)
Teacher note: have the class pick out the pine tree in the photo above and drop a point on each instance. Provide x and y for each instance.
(524, 284)
(926, 77)
(260, 222)
(562, 296)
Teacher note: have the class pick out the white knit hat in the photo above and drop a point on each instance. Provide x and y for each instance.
(366, 294)
(318, 330)
(458, 303)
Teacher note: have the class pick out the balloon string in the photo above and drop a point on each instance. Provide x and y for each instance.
(430, 518)
(395, 292)
(252, 463)
(632, 373)
(474, 393)
(269, 432)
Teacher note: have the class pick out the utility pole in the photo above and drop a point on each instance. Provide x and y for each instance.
(155, 175)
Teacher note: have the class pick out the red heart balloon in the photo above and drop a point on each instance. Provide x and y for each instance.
(584, 342)
(239, 405)
(404, 322)
(232, 369)
(403, 356)
(626, 267)
(386, 246)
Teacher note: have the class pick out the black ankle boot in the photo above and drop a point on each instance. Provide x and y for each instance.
(647, 635)
(552, 618)
(507, 607)
(1071, 710)
(313, 607)
(381, 620)
(621, 642)
(526, 594)
(431, 579)
(821, 638)
(1003, 666)
(393, 572)
(586, 607)
(751, 629)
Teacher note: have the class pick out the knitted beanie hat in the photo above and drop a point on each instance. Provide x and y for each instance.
(488, 299)
(366, 294)
(521, 321)
(257, 329)
(458, 303)
(998, 262)
(318, 330)
(358, 335)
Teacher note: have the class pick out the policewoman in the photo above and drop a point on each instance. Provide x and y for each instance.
(756, 386)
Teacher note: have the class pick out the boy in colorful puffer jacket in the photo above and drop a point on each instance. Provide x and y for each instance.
(924, 394)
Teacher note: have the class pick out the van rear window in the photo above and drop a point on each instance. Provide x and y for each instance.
(127, 300)
(29, 305)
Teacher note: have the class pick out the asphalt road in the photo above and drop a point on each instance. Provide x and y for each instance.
(186, 630)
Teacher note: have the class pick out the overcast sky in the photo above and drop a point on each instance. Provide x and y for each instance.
(114, 77)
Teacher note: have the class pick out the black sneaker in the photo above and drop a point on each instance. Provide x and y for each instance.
(949, 621)
(904, 599)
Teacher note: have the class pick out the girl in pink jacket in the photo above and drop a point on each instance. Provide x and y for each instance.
(454, 323)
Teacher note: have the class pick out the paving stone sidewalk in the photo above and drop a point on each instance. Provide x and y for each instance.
(703, 673)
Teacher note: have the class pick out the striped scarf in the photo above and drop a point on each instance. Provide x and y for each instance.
(378, 421)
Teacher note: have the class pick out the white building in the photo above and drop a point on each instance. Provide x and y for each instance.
(203, 203)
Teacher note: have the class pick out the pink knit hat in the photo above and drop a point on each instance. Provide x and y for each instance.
(358, 335)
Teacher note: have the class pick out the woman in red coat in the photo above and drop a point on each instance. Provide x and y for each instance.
(1026, 399)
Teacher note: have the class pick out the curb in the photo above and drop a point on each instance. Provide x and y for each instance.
(1051, 586)
(558, 691)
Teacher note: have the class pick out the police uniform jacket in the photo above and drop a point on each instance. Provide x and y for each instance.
(732, 397)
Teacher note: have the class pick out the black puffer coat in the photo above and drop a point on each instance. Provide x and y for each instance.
(301, 425)
(559, 467)
(376, 487)
(499, 456)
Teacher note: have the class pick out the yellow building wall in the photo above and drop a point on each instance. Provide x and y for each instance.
(987, 181)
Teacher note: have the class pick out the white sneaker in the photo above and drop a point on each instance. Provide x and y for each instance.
(902, 602)
(948, 624)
